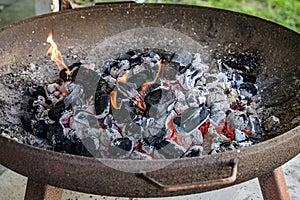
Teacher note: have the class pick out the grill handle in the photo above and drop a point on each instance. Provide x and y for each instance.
(203, 184)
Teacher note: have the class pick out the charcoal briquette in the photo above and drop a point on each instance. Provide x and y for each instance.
(40, 129)
(120, 147)
(182, 57)
(103, 87)
(63, 73)
(26, 122)
(193, 117)
(64, 146)
(102, 105)
(237, 120)
(35, 91)
(133, 130)
(135, 61)
(88, 79)
(247, 90)
(153, 141)
(169, 149)
(177, 120)
(248, 78)
(56, 112)
(131, 53)
(55, 133)
(194, 151)
(85, 147)
(153, 97)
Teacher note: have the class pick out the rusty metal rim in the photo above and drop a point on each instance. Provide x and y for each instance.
(104, 6)
(88, 165)
(285, 138)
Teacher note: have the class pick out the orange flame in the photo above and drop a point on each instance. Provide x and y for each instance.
(174, 135)
(90, 100)
(140, 104)
(147, 84)
(113, 94)
(124, 78)
(113, 99)
(55, 53)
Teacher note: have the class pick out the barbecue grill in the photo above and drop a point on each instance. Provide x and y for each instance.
(279, 54)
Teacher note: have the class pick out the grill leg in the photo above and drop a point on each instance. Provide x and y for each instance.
(39, 191)
(273, 185)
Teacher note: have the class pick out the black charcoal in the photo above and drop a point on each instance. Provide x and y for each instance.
(193, 117)
(170, 149)
(247, 90)
(194, 151)
(57, 111)
(120, 147)
(153, 97)
(102, 105)
(55, 133)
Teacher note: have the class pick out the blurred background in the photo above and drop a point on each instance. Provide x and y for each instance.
(284, 12)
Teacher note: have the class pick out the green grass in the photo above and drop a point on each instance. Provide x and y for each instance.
(284, 12)
(15, 10)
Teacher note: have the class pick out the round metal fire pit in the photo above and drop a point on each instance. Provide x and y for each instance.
(278, 52)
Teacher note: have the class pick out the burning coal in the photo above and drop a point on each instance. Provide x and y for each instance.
(148, 104)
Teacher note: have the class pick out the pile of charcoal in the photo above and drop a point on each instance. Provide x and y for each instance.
(149, 104)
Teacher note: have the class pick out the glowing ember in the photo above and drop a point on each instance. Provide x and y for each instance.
(55, 53)
(174, 135)
(204, 128)
(227, 132)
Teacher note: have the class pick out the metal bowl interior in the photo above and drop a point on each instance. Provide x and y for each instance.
(217, 32)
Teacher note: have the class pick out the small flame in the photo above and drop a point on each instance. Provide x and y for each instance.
(113, 99)
(174, 135)
(124, 78)
(113, 94)
(90, 100)
(140, 104)
(55, 53)
(147, 84)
